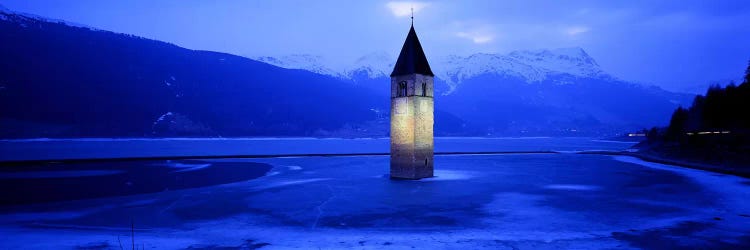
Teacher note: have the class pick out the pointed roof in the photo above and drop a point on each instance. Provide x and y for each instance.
(412, 60)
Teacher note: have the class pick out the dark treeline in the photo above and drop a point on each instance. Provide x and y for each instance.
(715, 128)
(721, 109)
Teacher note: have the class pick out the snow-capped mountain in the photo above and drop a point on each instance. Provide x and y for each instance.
(374, 65)
(531, 66)
(312, 63)
(528, 91)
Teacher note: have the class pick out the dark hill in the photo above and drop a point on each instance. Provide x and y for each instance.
(58, 80)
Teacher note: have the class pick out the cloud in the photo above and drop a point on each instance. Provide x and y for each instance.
(576, 30)
(476, 36)
(477, 31)
(402, 9)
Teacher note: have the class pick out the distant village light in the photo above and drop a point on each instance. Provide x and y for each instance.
(709, 132)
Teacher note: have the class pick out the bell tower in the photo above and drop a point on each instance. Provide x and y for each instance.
(412, 108)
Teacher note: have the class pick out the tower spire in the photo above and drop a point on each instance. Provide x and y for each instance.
(412, 15)
(412, 112)
(412, 59)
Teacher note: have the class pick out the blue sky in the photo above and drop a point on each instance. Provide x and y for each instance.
(668, 43)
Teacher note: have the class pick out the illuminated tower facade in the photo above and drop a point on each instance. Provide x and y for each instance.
(412, 108)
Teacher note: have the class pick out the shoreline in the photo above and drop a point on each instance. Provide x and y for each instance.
(642, 156)
(20, 151)
(200, 157)
(674, 162)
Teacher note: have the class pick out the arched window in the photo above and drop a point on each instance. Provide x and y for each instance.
(402, 88)
(424, 89)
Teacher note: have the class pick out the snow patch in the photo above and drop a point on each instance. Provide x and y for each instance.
(185, 167)
(170, 83)
(273, 173)
(193, 168)
(293, 182)
(450, 175)
(294, 168)
(572, 187)
(162, 117)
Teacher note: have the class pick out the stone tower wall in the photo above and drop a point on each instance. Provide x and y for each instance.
(412, 123)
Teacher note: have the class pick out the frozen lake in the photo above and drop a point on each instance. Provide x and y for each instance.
(58, 149)
(498, 201)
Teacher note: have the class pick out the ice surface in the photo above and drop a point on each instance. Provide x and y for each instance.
(734, 189)
(86, 148)
(450, 175)
(508, 201)
(290, 182)
(57, 174)
(572, 187)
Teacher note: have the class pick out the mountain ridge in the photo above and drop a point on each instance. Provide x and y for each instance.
(58, 80)
(573, 60)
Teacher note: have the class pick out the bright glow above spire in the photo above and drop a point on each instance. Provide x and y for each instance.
(404, 9)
